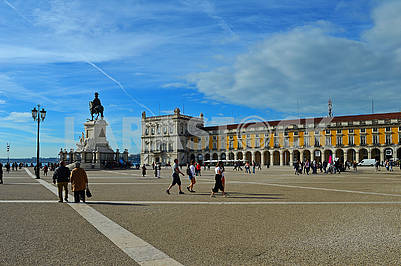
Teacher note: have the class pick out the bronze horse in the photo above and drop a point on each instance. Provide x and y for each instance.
(97, 109)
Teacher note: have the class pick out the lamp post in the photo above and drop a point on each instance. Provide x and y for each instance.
(38, 115)
(8, 153)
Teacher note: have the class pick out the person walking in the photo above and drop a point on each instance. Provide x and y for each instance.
(79, 182)
(296, 167)
(218, 180)
(143, 170)
(1, 173)
(176, 177)
(62, 176)
(191, 175)
(253, 167)
(45, 170)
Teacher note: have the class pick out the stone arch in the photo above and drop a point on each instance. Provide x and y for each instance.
(388, 153)
(375, 154)
(215, 156)
(363, 154)
(266, 157)
(192, 157)
(231, 156)
(248, 156)
(351, 155)
(276, 158)
(317, 155)
(207, 157)
(399, 153)
(258, 157)
(223, 156)
(240, 156)
(306, 154)
(286, 157)
(297, 155)
(340, 155)
(200, 158)
(327, 154)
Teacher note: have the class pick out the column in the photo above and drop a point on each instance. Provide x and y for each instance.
(281, 159)
(357, 157)
(301, 155)
(270, 159)
(345, 156)
(291, 158)
(262, 158)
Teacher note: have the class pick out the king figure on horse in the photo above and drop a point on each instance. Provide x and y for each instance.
(96, 107)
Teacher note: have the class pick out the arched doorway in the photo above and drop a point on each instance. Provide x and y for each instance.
(340, 155)
(327, 154)
(240, 156)
(306, 155)
(297, 156)
(192, 157)
(258, 157)
(317, 155)
(200, 158)
(388, 153)
(248, 156)
(363, 154)
(223, 156)
(351, 155)
(375, 154)
(286, 157)
(231, 156)
(215, 156)
(266, 158)
(276, 158)
(207, 157)
(399, 154)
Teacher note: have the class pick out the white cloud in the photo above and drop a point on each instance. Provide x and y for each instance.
(18, 117)
(175, 85)
(308, 64)
(2, 101)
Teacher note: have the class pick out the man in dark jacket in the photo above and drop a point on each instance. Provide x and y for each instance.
(62, 175)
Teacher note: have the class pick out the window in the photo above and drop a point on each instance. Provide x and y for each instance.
(328, 140)
(375, 129)
(182, 129)
(257, 143)
(317, 141)
(328, 131)
(388, 129)
(239, 143)
(339, 140)
(153, 131)
(317, 132)
(306, 141)
(339, 131)
(286, 142)
(147, 131)
(171, 129)
(399, 128)
(275, 133)
(158, 129)
(363, 140)
(351, 140)
(285, 133)
(363, 130)
(306, 133)
(170, 146)
(214, 138)
(165, 130)
(388, 139)
(276, 142)
(231, 145)
(248, 142)
(296, 142)
(375, 139)
(214, 145)
(295, 133)
(350, 131)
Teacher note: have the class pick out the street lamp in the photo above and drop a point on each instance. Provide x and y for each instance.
(38, 116)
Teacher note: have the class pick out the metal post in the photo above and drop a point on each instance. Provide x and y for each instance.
(37, 148)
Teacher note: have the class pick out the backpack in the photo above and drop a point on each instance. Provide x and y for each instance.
(189, 172)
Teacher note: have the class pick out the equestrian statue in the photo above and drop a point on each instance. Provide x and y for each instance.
(96, 107)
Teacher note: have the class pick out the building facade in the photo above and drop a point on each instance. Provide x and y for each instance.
(349, 138)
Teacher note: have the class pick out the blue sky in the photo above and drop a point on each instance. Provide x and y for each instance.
(231, 60)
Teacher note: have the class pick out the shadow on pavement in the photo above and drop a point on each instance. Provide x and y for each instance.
(115, 203)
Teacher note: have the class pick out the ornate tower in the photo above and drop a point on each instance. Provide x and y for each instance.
(330, 105)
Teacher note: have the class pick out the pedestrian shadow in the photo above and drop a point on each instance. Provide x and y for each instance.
(239, 195)
(115, 203)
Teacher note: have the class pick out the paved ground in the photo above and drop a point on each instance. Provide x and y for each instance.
(272, 217)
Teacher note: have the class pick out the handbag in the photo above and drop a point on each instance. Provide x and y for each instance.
(88, 193)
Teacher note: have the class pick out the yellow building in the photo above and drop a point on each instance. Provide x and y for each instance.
(349, 138)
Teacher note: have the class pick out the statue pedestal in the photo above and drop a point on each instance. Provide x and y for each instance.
(93, 147)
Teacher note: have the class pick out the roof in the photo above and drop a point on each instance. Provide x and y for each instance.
(316, 120)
